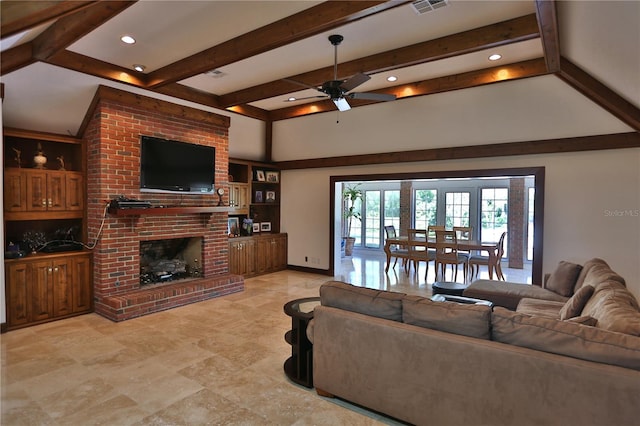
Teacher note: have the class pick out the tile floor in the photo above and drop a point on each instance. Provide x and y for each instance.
(213, 362)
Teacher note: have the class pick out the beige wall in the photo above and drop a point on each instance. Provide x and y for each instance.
(592, 207)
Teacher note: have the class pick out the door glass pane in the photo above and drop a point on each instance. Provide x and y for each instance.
(456, 209)
(356, 223)
(425, 208)
(494, 207)
(392, 208)
(372, 219)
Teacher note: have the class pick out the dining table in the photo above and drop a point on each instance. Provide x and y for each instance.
(464, 245)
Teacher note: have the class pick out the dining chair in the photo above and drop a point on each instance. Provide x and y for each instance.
(476, 261)
(447, 254)
(418, 252)
(396, 251)
(463, 233)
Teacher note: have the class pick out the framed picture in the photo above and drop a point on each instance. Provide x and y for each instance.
(271, 196)
(258, 197)
(233, 226)
(272, 177)
(265, 226)
(260, 175)
(256, 227)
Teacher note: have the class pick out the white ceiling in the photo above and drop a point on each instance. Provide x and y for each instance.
(48, 98)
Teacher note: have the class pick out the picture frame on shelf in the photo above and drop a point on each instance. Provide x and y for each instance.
(256, 227)
(273, 177)
(258, 197)
(233, 226)
(260, 177)
(265, 226)
(271, 197)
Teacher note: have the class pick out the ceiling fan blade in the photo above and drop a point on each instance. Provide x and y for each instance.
(299, 83)
(354, 81)
(373, 96)
(306, 97)
(342, 104)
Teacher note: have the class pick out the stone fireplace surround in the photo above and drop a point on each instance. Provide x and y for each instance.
(113, 132)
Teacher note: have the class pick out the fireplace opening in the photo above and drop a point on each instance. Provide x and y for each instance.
(170, 260)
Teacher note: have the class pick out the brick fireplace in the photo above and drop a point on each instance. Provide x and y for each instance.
(116, 122)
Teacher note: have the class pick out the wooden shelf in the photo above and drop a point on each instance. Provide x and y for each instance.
(166, 211)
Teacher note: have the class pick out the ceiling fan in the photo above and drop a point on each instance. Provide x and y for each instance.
(338, 90)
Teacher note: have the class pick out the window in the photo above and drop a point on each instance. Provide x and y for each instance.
(425, 208)
(456, 209)
(494, 206)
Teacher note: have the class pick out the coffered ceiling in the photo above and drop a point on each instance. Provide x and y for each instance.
(250, 57)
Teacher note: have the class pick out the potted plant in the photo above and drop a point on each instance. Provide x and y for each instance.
(350, 194)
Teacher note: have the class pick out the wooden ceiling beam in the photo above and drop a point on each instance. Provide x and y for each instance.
(68, 29)
(524, 69)
(511, 31)
(599, 93)
(309, 22)
(548, 25)
(19, 16)
(16, 58)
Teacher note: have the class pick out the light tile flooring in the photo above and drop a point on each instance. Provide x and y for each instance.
(213, 362)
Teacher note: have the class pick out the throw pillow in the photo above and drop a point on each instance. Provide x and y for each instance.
(576, 303)
(564, 278)
(584, 320)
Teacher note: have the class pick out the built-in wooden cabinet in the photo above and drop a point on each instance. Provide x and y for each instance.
(239, 199)
(47, 287)
(259, 254)
(44, 203)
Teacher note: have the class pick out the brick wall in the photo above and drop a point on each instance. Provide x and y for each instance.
(113, 168)
(517, 223)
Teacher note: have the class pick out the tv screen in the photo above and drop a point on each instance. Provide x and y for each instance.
(172, 166)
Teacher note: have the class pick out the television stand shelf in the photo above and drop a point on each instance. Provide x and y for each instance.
(166, 211)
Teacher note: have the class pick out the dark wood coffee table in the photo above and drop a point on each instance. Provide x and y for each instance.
(299, 366)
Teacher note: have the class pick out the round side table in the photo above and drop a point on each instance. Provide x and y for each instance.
(299, 366)
(447, 287)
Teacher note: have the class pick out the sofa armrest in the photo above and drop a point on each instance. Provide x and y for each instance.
(546, 278)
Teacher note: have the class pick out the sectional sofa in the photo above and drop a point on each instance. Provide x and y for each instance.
(446, 363)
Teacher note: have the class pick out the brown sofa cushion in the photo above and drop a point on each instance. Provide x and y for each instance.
(595, 271)
(576, 303)
(540, 308)
(615, 308)
(377, 303)
(563, 279)
(458, 318)
(508, 294)
(565, 338)
(584, 320)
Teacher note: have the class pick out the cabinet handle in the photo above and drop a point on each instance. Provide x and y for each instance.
(50, 270)
(50, 202)
(44, 202)
(55, 269)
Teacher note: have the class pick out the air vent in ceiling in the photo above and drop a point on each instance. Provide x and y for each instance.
(424, 6)
(215, 73)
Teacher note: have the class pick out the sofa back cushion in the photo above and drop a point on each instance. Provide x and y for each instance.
(367, 301)
(565, 338)
(595, 271)
(615, 308)
(563, 279)
(459, 318)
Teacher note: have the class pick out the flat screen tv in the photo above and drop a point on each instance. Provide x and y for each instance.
(172, 166)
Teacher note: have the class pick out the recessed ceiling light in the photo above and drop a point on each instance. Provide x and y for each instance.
(128, 39)
(291, 99)
(495, 57)
(139, 67)
(392, 78)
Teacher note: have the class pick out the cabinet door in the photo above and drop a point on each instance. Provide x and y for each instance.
(280, 252)
(41, 290)
(82, 284)
(242, 257)
(17, 294)
(62, 287)
(36, 191)
(15, 191)
(74, 191)
(265, 257)
(56, 191)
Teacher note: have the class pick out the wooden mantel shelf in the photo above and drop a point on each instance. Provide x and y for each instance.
(166, 211)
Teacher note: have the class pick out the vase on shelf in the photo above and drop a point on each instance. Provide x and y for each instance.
(39, 160)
